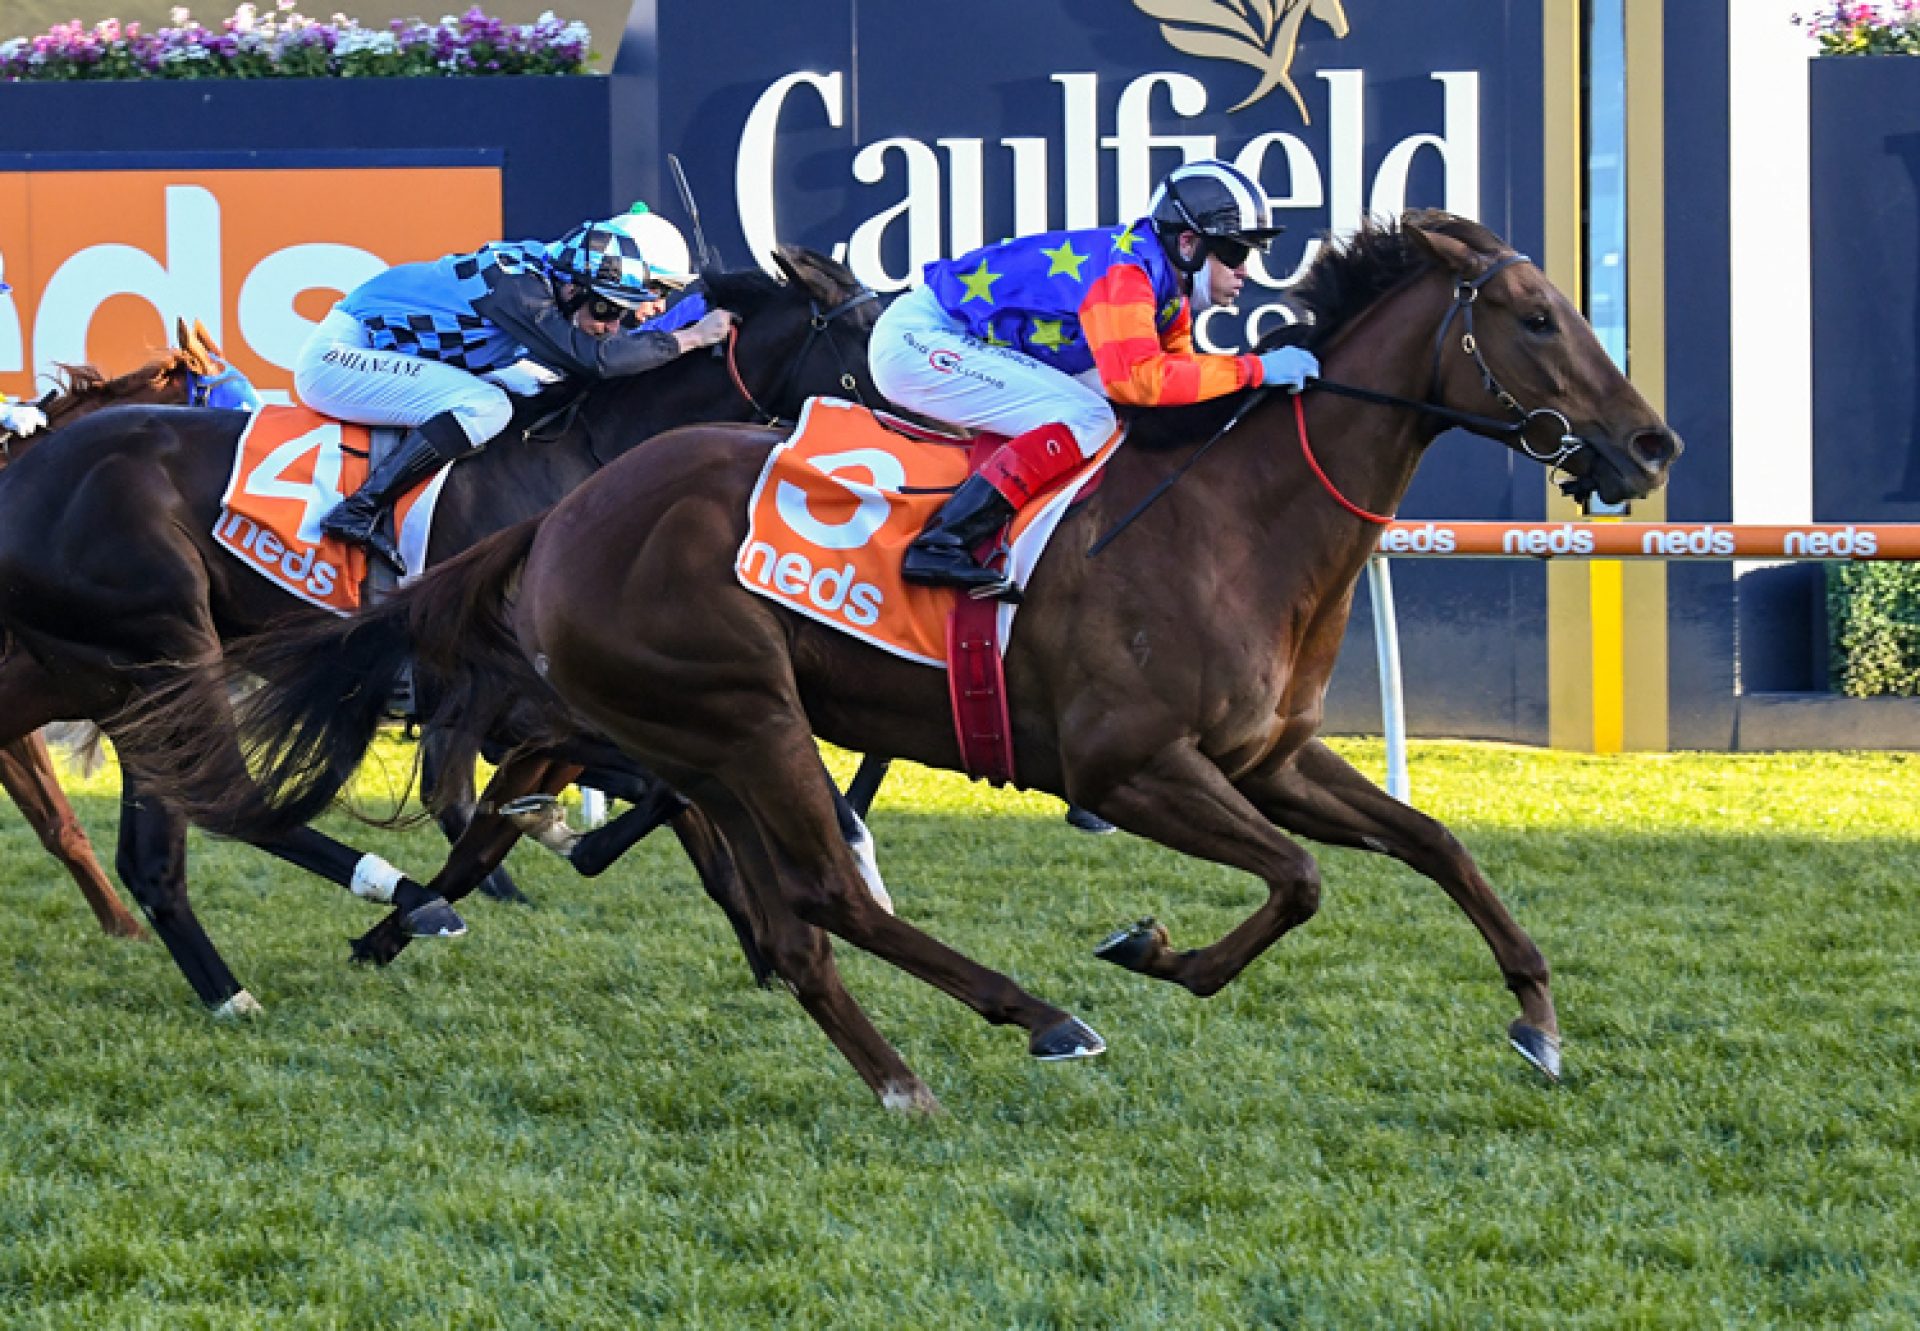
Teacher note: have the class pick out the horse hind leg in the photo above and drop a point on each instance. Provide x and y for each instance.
(720, 879)
(785, 787)
(802, 955)
(1321, 796)
(152, 862)
(26, 770)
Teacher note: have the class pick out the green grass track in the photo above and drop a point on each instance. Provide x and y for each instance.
(582, 1115)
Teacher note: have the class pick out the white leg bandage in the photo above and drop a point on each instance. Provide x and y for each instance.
(375, 879)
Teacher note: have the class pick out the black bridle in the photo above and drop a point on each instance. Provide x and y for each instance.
(819, 326)
(1466, 294)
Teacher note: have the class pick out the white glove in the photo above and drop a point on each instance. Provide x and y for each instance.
(523, 378)
(21, 419)
(1288, 368)
(710, 329)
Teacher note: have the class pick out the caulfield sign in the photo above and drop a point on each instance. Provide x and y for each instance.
(102, 262)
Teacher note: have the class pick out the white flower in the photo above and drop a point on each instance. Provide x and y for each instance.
(12, 48)
(358, 39)
(181, 16)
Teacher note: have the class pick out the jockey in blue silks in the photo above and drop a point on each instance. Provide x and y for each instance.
(439, 346)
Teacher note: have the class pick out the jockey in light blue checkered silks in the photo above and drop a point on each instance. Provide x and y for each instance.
(437, 347)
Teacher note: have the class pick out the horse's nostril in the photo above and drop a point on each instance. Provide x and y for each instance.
(1653, 448)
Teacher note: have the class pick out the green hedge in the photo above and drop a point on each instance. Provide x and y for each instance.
(1873, 613)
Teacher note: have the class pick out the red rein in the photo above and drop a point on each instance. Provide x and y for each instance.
(1300, 419)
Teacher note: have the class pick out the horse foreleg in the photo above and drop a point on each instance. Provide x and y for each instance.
(1181, 800)
(1319, 795)
(592, 853)
(866, 783)
(31, 696)
(26, 770)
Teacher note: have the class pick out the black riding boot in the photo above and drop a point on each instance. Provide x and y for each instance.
(942, 555)
(365, 517)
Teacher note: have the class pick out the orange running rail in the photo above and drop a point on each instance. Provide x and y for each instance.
(1651, 540)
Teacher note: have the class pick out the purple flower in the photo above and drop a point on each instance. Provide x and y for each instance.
(250, 43)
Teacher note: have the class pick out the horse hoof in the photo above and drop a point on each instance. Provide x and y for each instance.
(1092, 823)
(241, 1006)
(500, 886)
(435, 919)
(1537, 1047)
(1068, 1038)
(378, 946)
(909, 1097)
(1130, 946)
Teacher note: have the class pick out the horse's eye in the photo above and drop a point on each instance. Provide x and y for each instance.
(1538, 323)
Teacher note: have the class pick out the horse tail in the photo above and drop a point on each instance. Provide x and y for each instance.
(321, 691)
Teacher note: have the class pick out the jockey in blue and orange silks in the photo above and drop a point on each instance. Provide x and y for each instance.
(1035, 338)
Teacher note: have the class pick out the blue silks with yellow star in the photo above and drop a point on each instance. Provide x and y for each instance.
(1029, 293)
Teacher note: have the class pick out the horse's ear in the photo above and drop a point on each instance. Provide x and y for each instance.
(208, 345)
(180, 332)
(783, 260)
(1446, 251)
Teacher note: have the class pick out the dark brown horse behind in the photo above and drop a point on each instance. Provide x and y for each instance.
(113, 590)
(26, 768)
(1172, 684)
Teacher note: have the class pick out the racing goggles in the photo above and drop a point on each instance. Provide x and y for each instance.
(601, 310)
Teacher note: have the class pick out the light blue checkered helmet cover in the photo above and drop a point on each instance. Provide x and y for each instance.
(603, 259)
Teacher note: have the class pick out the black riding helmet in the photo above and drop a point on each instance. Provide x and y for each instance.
(1217, 201)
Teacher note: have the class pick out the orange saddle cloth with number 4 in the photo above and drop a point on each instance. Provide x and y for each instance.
(836, 507)
(291, 467)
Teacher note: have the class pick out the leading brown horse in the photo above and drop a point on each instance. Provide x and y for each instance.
(1173, 683)
(26, 768)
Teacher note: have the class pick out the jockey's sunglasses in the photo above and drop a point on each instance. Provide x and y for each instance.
(1232, 253)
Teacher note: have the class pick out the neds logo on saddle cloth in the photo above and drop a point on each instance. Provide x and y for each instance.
(291, 467)
(835, 508)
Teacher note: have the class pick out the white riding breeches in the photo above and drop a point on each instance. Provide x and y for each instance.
(923, 360)
(341, 373)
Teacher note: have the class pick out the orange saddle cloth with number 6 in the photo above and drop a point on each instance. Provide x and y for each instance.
(836, 507)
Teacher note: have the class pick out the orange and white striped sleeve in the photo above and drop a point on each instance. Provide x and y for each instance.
(1138, 364)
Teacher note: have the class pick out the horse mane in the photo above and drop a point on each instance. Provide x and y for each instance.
(745, 290)
(1347, 277)
(84, 386)
(742, 290)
